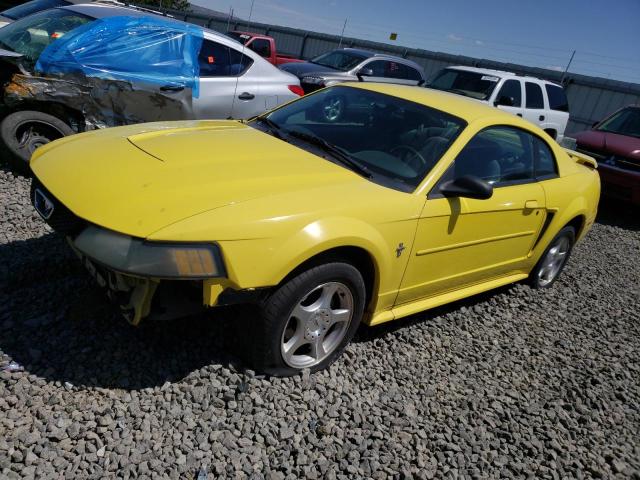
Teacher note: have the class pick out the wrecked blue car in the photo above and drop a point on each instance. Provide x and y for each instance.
(82, 67)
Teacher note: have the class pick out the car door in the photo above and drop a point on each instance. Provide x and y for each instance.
(511, 89)
(534, 103)
(463, 241)
(225, 88)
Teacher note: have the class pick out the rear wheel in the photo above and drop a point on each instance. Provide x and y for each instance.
(309, 320)
(554, 259)
(23, 132)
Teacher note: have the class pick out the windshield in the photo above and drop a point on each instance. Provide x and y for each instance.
(392, 141)
(470, 84)
(34, 6)
(339, 59)
(625, 122)
(31, 35)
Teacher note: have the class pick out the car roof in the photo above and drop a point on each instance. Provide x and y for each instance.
(384, 56)
(501, 73)
(102, 10)
(452, 103)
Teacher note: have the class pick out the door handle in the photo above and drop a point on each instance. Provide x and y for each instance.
(541, 118)
(519, 114)
(171, 88)
(531, 204)
(246, 96)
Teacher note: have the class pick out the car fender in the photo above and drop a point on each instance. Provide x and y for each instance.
(568, 198)
(279, 257)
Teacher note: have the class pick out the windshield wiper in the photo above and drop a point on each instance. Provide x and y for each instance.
(333, 150)
(459, 92)
(274, 128)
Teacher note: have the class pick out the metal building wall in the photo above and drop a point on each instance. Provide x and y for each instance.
(590, 98)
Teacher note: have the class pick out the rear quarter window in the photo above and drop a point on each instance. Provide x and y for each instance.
(217, 60)
(557, 98)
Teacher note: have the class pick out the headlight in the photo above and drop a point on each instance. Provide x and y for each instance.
(150, 259)
(313, 80)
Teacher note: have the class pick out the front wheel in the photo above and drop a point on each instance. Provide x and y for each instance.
(23, 132)
(309, 320)
(553, 260)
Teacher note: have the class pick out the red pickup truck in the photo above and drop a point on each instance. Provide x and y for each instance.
(263, 45)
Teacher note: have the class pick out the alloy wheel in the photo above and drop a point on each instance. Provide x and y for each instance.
(554, 260)
(317, 325)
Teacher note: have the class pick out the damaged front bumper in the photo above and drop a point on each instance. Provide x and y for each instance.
(133, 295)
(140, 298)
(155, 280)
(151, 279)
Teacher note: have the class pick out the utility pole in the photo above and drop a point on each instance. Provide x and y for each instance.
(342, 34)
(568, 65)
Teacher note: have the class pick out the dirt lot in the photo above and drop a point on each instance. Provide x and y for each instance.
(515, 383)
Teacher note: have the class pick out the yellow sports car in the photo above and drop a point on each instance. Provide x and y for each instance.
(359, 203)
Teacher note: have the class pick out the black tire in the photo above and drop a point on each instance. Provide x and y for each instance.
(22, 132)
(276, 317)
(537, 277)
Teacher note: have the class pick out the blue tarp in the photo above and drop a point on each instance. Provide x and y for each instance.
(143, 49)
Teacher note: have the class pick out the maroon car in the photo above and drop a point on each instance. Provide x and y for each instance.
(615, 144)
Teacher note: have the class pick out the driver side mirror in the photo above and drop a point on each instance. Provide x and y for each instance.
(365, 72)
(468, 186)
(505, 101)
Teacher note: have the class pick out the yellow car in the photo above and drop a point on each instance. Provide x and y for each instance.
(359, 203)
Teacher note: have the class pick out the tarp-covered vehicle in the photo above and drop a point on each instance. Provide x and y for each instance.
(72, 69)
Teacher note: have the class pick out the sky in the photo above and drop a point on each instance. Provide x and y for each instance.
(539, 33)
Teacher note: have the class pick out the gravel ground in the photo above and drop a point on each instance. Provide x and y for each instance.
(512, 384)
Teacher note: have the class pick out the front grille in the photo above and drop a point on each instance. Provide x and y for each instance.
(62, 220)
(598, 156)
(627, 164)
(613, 160)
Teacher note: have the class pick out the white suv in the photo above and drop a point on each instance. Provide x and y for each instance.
(539, 101)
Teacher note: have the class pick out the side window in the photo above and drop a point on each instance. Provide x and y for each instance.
(413, 74)
(534, 95)
(396, 70)
(545, 161)
(217, 60)
(379, 68)
(513, 90)
(261, 46)
(499, 155)
(557, 98)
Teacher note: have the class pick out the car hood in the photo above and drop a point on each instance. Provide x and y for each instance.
(609, 143)
(302, 69)
(139, 179)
